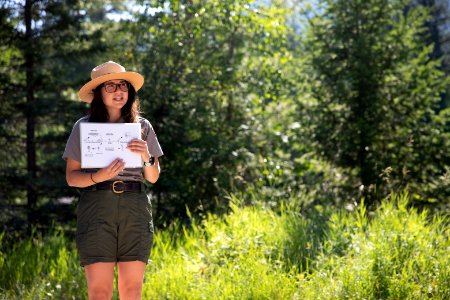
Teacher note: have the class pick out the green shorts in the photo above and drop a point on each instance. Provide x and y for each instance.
(114, 227)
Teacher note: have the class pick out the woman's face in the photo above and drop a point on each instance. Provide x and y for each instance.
(115, 93)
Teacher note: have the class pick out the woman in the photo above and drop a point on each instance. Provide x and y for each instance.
(114, 220)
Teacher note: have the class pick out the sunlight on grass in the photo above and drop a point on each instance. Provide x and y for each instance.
(41, 268)
(254, 253)
(399, 254)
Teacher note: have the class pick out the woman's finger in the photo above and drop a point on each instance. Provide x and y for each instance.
(116, 164)
(137, 144)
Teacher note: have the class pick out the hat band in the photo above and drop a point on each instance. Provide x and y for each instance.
(107, 74)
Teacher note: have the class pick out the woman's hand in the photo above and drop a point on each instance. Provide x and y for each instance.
(139, 146)
(75, 177)
(111, 171)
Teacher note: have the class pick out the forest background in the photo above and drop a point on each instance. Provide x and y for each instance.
(328, 99)
(319, 103)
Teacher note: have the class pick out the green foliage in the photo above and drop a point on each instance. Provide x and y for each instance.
(219, 258)
(209, 68)
(376, 91)
(342, 106)
(41, 267)
(394, 252)
(54, 45)
(397, 253)
(11, 125)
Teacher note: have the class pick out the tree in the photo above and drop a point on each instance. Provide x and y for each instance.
(438, 35)
(438, 29)
(376, 90)
(44, 48)
(11, 90)
(206, 67)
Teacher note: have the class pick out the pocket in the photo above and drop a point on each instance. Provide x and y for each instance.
(147, 237)
(87, 238)
(87, 209)
(82, 229)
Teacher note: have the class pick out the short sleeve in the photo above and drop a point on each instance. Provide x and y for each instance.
(149, 135)
(73, 150)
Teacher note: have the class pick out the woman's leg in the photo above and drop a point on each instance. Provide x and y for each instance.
(100, 280)
(131, 277)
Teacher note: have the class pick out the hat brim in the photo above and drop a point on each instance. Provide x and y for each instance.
(86, 93)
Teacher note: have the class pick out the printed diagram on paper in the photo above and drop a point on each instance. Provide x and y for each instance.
(97, 144)
(101, 143)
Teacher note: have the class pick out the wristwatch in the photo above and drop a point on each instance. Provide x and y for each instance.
(151, 161)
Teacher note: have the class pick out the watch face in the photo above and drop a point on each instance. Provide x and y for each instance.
(151, 162)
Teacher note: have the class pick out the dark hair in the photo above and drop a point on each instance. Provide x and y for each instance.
(130, 111)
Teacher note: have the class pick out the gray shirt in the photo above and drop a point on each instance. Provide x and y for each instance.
(73, 149)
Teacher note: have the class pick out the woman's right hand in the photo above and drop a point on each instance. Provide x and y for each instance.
(111, 171)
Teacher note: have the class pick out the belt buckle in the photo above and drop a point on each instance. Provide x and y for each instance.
(114, 187)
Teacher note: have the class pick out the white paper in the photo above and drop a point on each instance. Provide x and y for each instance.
(102, 143)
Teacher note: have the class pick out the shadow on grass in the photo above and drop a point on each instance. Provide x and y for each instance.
(307, 232)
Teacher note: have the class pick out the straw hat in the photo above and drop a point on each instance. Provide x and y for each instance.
(105, 72)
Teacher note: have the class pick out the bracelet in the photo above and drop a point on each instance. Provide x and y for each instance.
(93, 179)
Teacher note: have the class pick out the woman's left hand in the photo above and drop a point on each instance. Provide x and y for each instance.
(139, 146)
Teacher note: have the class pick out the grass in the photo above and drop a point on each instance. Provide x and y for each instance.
(41, 267)
(254, 253)
(398, 253)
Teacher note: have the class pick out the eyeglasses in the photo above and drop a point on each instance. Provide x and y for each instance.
(112, 87)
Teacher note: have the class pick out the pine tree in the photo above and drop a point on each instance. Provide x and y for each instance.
(43, 50)
(376, 90)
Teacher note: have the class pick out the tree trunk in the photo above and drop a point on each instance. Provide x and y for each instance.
(30, 111)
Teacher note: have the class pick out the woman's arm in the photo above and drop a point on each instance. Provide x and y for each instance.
(151, 173)
(139, 146)
(76, 178)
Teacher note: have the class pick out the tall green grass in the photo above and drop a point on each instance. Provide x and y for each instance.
(235, 257)
(41, 267)
(255, 253)
(398, 253)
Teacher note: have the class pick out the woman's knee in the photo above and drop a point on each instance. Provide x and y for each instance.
(99, 293)
(131, 290)
(100, 280)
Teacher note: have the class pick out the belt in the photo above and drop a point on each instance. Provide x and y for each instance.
(119, 186)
